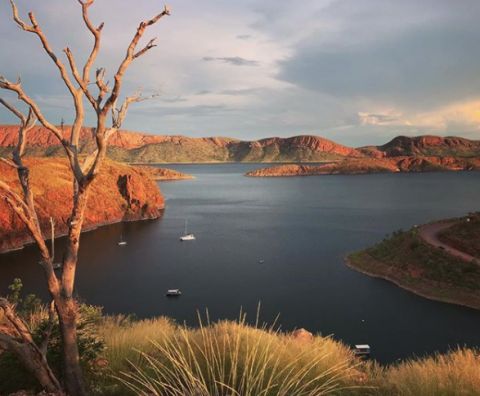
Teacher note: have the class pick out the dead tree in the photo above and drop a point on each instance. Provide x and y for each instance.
(109, 119)
(17, 338)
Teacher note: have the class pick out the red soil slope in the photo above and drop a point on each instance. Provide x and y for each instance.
(120, 193)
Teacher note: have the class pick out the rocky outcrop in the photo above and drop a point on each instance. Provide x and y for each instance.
(163, 174)
(427, 145)
(352, 166)
(120, 193)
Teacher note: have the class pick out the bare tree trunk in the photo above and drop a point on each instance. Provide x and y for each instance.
(36, 365)
(19, 341)
(72, 370)
(61, 288)
(67, 306)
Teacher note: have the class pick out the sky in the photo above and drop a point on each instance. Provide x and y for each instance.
(357, 72)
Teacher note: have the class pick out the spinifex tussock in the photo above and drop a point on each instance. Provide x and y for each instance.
(232, 358)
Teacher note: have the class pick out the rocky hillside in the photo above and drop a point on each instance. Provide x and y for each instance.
(429, 146)
(353, 166)
(120, 193)
(142, 148)
(134, 147)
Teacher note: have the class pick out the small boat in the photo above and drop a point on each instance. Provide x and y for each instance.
(186, 236)
(362, 350)
(57, 266)
(122, 242)
(173, 293)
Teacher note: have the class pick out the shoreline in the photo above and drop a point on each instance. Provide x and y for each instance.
(429, 292)
(230, 162)
(84, 230)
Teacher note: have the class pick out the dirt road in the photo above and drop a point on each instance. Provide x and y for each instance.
(429, 233)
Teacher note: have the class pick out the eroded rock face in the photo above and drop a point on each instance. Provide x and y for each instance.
(120, 193)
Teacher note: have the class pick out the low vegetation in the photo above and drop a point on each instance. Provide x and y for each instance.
(405, 259)
(455, 373)
(124, 356)
(465, 235)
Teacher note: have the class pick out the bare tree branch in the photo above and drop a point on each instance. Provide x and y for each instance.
(35, 28)
(13, 109)
(25, 348)
(8, 162)
(71, 154)
(149, 46)
(130, 55)
(102, 86)
(96, 34)
(48, 331)
(81, 83)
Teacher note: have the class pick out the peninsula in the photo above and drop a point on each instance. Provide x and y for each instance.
(439, 261)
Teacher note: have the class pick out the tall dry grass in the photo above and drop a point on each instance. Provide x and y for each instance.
(126, 339)
(157, 357)
(232, 358)
(450, 374)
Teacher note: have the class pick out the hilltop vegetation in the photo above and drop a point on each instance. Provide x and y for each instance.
(465, 235)
(408, 261)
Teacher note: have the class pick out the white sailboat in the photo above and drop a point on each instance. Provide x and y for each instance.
(122, 242)
(186, 236)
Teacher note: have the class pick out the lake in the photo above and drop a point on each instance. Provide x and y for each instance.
(302, 228)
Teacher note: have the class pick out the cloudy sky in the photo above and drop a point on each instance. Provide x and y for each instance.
(358, 72)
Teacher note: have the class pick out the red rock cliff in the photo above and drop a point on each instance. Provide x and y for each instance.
(120, 193)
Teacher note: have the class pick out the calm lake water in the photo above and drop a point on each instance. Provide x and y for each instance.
(302, 228)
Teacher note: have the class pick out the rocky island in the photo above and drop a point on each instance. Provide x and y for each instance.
(354, 166)
(163, 174)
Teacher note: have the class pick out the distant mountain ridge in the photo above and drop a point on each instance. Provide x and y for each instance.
(426, 145)
(138, 147)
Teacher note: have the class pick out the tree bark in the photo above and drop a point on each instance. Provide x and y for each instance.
(36, 365)
(61, 288)
(17, 339)
(72, 370)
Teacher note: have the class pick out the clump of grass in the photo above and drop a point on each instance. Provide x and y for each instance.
(124, 338)
(454, 373)
(232, 358)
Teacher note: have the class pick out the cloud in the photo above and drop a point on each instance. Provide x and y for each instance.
(175, 99)
(428, 60)
(234, 60)
(355, 71)
(382, 119)
(462, 116)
